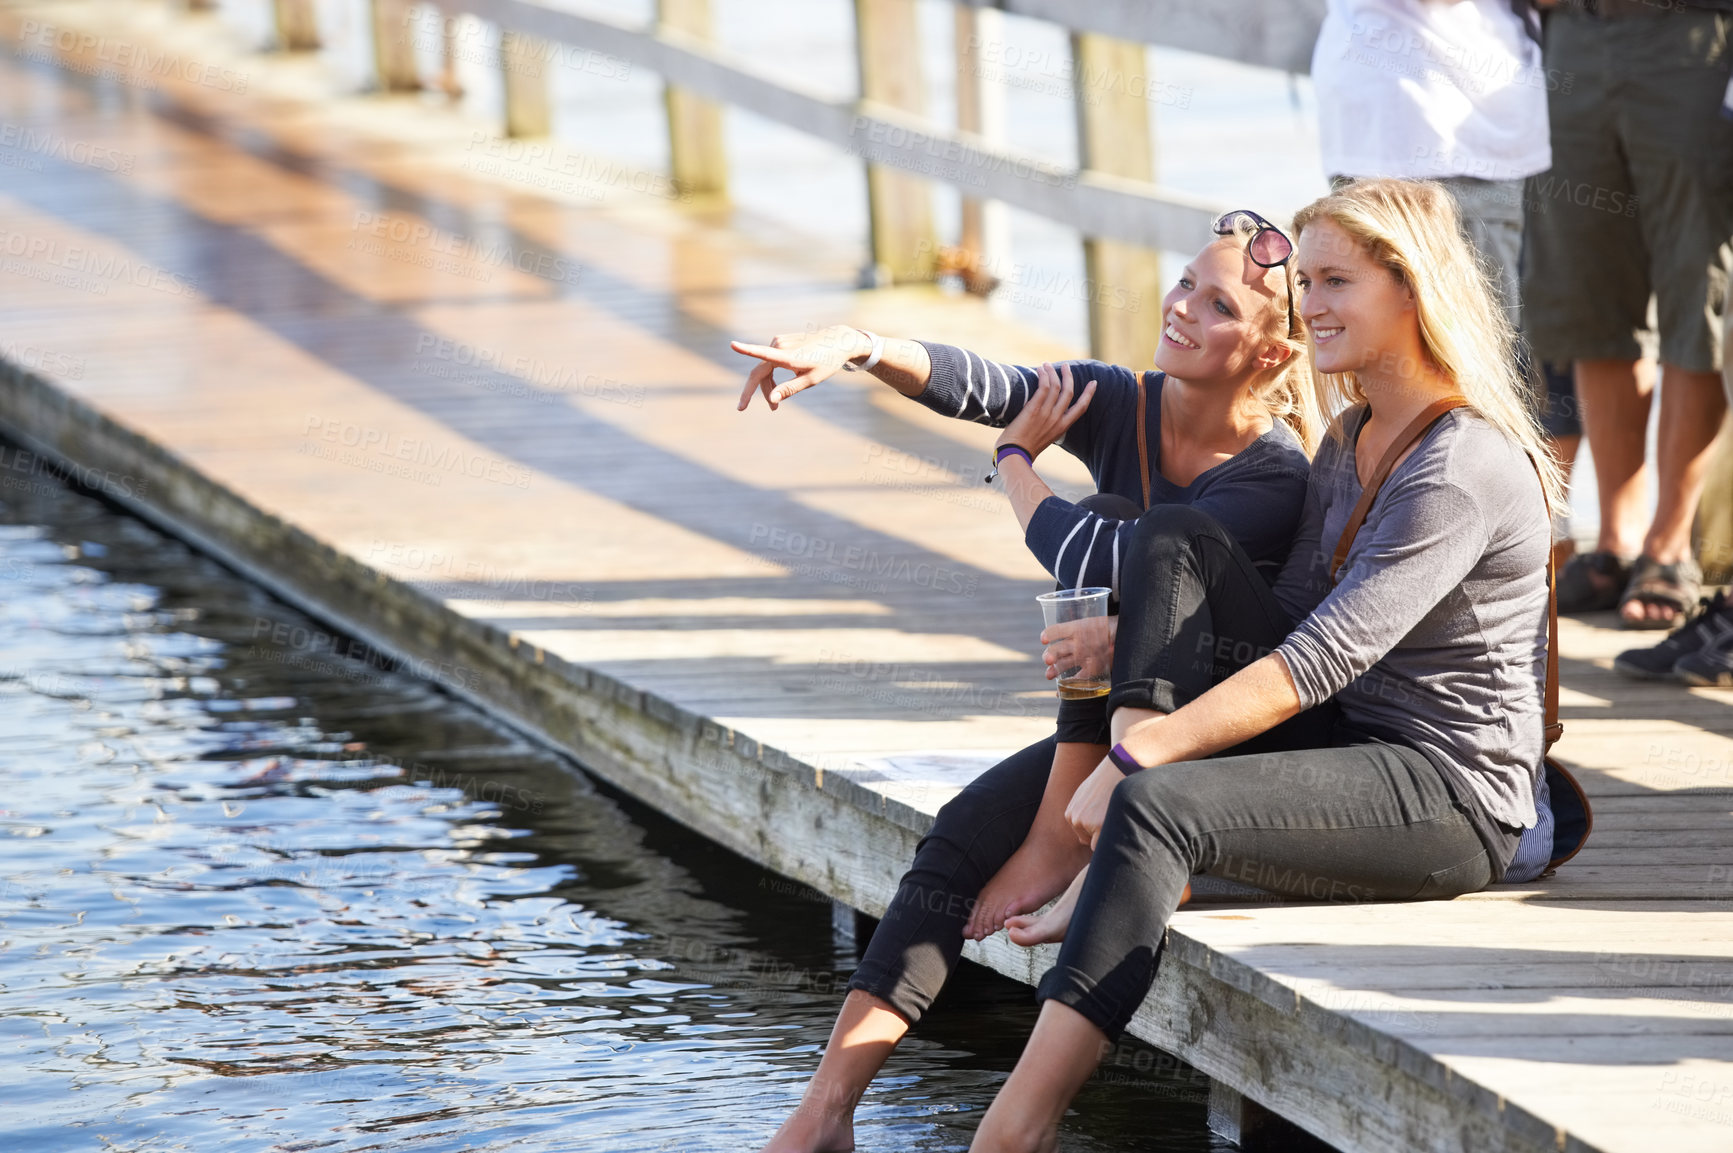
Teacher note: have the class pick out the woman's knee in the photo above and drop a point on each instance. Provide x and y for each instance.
(1152, 802)
(1172, 527)
(1111, 504)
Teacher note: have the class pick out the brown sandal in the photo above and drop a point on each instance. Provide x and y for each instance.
(1592, 582)
(1675, 586)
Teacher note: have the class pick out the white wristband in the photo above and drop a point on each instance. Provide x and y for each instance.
(872, 360)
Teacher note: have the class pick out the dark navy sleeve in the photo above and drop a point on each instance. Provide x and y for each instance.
(970, 387)
(1080, 548)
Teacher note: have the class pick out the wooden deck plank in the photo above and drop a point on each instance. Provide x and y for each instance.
(651, 596)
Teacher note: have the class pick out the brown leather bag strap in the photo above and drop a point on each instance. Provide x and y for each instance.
(1554, 727)
(1403, 442)
(1409, 436)
(1143, 440)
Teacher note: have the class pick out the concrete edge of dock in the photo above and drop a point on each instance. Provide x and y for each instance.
(1256, 1038)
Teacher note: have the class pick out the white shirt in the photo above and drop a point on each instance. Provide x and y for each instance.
(1429, 88)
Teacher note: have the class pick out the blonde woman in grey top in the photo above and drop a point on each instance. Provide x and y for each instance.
(1382, 739)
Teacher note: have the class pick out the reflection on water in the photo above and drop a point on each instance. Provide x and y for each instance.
(260, 897)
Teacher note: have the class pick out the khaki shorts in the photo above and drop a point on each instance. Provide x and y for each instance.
(1639, 200)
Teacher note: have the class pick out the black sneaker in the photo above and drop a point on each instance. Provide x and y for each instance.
(1710, 628)
(1712, 663)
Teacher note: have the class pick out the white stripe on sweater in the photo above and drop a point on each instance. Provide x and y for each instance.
(1087, 553)
(1059, 560)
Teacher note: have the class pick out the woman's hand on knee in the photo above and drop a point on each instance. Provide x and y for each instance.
(1088, 807)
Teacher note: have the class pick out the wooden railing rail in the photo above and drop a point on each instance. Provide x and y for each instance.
(1110, 197)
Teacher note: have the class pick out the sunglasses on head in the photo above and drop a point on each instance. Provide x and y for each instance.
(1269, 246)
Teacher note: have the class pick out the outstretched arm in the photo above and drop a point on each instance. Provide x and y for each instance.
(814, 357)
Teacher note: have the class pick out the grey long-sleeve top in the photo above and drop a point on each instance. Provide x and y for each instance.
(1436, 631)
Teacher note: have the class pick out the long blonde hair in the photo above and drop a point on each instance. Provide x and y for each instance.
(1287, 390)
(1412, 228)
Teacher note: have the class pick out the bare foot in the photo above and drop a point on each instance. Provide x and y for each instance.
(1035, 874)
(1050, 926)
(1636, 612)
(814, 1129)
(1040, 929)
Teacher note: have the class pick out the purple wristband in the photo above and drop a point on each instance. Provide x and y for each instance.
(1123, 760)
(1008, 450)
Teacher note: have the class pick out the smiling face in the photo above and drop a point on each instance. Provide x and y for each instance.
(1216, 320)
(1359, 314)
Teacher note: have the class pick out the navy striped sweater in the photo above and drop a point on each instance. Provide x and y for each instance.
(1257, 496)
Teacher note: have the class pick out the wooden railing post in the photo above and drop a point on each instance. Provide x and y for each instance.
(523, 61)
(1111, 82)
(985, 233)
(900, 206)
(393, 54)
(697, 158)
(297, 25)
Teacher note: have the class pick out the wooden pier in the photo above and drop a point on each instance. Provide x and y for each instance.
(487, 425)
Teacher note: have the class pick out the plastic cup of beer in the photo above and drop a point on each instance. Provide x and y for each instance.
(1085, 604)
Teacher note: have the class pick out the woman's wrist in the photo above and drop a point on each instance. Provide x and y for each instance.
(1124, 761)
(1005, 452)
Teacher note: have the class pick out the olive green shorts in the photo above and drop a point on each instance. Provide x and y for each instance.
(1639, 200)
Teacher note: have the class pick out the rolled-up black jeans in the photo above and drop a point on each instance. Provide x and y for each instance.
(1164, 589)
(1312, 809)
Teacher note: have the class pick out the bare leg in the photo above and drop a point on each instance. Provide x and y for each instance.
(866, 1031)
(1564, 450)
(1062, 1053)
(1049, 856)
(1615, 397)
(1692, 405)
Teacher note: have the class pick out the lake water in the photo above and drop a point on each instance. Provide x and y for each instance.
(258, 896)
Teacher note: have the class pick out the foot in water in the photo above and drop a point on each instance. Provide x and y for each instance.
(1050, 926)
(813, 1130)
(1035, 874)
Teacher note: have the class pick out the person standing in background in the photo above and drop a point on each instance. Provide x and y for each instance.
(1637, 210)
(1445, 90)
(1453, 91)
